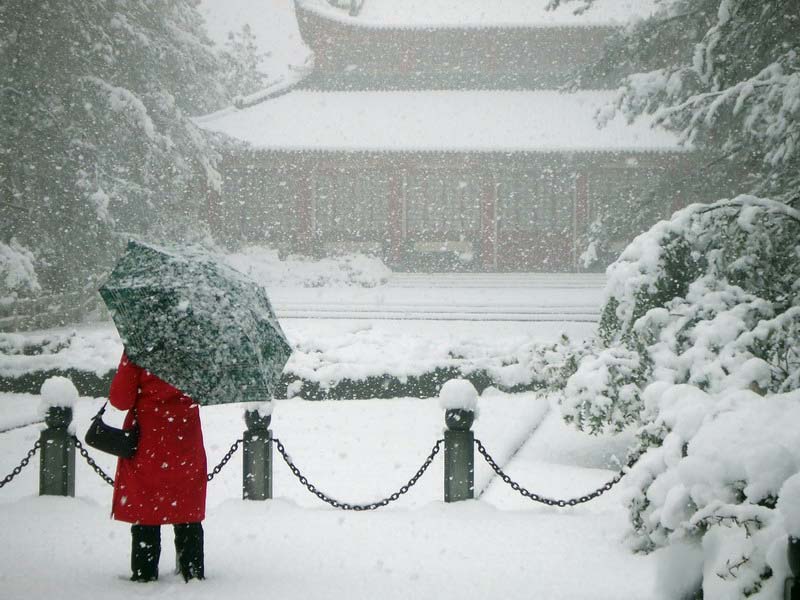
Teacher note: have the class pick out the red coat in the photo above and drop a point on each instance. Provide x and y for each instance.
(165, 481)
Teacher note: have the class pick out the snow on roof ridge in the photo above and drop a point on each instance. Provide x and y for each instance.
(411, 14)
(482, 151)
(442, 120)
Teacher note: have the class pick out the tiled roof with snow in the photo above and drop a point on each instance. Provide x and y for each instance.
(469, 121)
(485, 13)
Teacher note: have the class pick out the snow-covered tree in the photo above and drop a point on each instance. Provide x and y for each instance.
(241, 59)
(95, 137)
(726, 75)
(17, 272)
(699, 336)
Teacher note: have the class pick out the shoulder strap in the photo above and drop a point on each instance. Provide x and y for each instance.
(101, 411)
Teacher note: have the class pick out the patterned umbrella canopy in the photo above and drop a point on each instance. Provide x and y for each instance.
(196, 323)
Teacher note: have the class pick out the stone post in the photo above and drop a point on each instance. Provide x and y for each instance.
(792, 586)
(459, 455)
(257, 459)
(57, 459)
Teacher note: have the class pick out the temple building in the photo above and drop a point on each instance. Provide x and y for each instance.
(433, 135)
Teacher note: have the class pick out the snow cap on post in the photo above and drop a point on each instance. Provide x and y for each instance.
(458, 394)
(59, 395)
(58, 391)
(265, 408)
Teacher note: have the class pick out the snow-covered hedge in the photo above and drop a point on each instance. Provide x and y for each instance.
(363, 363)
(407, 365)
(699, 347)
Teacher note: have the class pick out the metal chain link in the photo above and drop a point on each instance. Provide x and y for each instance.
(225, 459)
(358, 507)
(345, 505)
(550, 501)
(90, 461)
(22, 464)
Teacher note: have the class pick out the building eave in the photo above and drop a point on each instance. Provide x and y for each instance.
(316, 10)
(477, 122)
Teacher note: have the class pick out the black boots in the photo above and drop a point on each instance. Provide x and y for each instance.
(146, 550)
(189, 550)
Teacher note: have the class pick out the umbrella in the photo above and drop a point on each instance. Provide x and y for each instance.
(196, 323)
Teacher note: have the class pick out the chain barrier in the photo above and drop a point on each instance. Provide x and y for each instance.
(22, 464)
(215, 471)
(358, 507)
(345, 505)
(550, 501)
(90, 461)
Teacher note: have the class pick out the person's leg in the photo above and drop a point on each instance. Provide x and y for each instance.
(189, 550)
(145, 552)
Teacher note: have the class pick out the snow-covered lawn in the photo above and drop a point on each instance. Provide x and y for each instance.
(405, 326)
(498, 546)
(97, 347)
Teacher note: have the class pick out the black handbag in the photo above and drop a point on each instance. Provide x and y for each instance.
(119, 442)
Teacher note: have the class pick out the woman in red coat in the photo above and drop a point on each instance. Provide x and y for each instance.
(165, 480)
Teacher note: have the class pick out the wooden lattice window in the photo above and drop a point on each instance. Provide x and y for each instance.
(536, 201)
(351, 206)
(442, 204)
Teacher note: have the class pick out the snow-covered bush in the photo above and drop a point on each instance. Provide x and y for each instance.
(710, 297)
(699, 346)
(534, 365)
(604, 390)
(721, 466)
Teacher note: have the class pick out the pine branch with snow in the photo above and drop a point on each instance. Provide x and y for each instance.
(17, 270)
(96, 142)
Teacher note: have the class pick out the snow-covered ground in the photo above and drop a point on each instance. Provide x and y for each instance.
(460, 297)
(404, 326)
(498, 546)
(294, 546)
